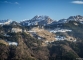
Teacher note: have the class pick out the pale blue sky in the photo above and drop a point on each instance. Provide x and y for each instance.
(26, 9)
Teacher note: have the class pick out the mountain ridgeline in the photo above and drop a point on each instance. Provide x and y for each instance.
(42, 38)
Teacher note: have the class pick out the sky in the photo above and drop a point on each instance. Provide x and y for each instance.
(19, 10)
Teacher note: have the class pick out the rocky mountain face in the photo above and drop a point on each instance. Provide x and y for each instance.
(77, 18)
(37, 20)
(45, 20)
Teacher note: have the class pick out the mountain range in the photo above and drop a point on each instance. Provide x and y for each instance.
(42, 38)
(37, 20)
(45, 20)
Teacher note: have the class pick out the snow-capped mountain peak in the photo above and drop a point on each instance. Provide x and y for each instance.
(76, 18)
(37, 20)
(37, 17)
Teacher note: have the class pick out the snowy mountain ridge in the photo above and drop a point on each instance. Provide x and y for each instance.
(77, 18)
(37, 20)
(44, 20)
(5, 22)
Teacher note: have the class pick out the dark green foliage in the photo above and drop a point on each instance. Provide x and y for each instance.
(60, 42)
(2, 37)
(78, 48)
(13, 37)
(77, 30)
(4, 51)
(12, 54)
(29, 40)
(57, 52)
(1, 29)
(1, 44)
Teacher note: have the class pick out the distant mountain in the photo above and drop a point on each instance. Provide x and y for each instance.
(62, 21)
(3, 22)
(13, 23)
(77, 18)
(37, 20)
(44, 20)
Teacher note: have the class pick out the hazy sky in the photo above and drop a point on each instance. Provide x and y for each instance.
(26, 9)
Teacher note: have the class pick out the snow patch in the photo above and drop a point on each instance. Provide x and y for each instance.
(12, 43)
(58, 38)
(60, 30)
